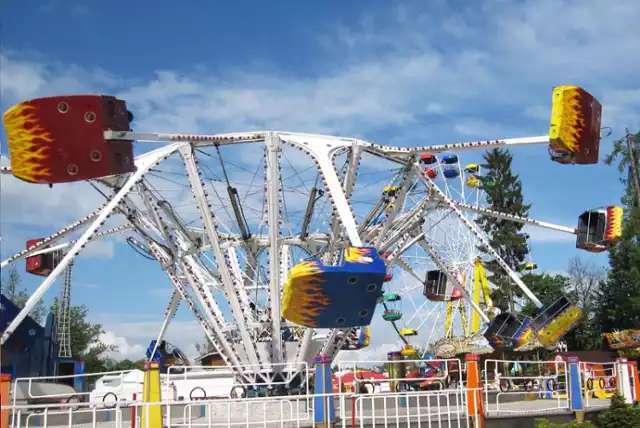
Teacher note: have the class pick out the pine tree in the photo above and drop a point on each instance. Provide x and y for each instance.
(503, 191)
(619, 299)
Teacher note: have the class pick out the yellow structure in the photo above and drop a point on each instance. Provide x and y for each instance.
(151, 412)
(462, 309)
(480, 288)
(558, 327)
(397, 370)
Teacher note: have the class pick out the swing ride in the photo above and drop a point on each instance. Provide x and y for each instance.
(287, 245)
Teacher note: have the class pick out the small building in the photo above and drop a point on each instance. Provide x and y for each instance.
(211, 359)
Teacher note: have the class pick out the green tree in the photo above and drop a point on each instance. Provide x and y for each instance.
(10, 287)
(85, 339)
(503, 190)
(85, 336)
(548, 288)
(126, 364)
(619, 297)
(205, 348)
(585, 279)
(619, 414)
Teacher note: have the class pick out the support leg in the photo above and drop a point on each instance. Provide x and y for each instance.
(151, 412)
(5, 387)
(575, 388)
(324, 406)
(397, 371)
(475, 409)
(624, 382)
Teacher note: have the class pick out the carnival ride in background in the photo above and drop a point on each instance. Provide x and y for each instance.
(284, 245)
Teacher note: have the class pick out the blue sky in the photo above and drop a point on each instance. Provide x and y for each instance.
(395, 73)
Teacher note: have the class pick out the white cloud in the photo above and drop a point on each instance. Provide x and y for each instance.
(125, 349)
(374, 355)
(133, 336)
(99, 249)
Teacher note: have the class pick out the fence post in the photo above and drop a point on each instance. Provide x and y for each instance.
(151, 416)
(575, 388)
(133, 410)
(475, 409)
(636, 380)
(5, 387)
(624, 384)
(324, 405)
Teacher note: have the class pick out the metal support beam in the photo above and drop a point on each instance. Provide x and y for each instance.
(273, 212)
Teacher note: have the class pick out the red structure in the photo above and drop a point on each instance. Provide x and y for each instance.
(42, 264)
(61, 139)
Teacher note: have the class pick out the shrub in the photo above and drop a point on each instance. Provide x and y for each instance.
(619, 414)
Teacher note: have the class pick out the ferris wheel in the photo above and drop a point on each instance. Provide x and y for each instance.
(284, 245)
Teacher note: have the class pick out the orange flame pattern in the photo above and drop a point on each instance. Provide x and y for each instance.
(29, 143)
(302, 298)
(613, 231)
(568, 119)
(523, 337)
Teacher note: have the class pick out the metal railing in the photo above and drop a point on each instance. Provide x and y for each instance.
(511, 386)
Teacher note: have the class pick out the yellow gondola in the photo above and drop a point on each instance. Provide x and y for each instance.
(389, 191)
(473, 181)
(405, 332)
(472, 168)
(408, 351)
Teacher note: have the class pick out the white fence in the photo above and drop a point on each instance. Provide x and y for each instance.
(426, 409)
(435, 396)
(599, 382)
(510, 386)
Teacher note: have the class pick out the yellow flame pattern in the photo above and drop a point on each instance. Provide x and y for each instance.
(29, 143)
(302, 297)
(560, 326)
(568, 122)
(367, 336)
(613, 232)
(357, 255)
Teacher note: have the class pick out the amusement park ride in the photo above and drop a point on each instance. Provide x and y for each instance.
(282, 262)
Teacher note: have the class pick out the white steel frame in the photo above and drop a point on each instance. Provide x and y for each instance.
(193, 279)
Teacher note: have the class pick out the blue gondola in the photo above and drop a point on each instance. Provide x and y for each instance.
(325, 296)
(450, 159)
(451, 172)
